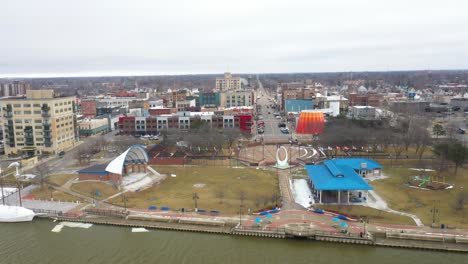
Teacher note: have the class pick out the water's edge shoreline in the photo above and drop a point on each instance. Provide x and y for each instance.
(383, 239)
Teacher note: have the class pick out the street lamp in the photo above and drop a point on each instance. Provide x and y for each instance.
(1, 183)
(434, 211)
(17, 165)
(195, 197)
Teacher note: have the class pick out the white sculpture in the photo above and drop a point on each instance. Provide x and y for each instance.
(281, 164)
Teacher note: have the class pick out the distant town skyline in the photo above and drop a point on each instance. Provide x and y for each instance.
(53, 38)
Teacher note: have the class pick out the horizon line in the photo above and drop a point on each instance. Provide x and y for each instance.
(148, 74)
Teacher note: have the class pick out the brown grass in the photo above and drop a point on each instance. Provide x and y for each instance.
(47, 193)
(420, 202)
(258, 185)
(89, 188)
(61, 179)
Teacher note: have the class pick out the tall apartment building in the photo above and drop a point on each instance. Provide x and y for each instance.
(228, 82)
(38, 124)
(237, 98)
(14, 88)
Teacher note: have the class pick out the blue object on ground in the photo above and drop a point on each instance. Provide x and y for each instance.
(264, 213)
(214, 212)
(336, 219)
(164, 208)
(318, 211)
(344, 224)
(201, 211)
(97, 193)
(342, 217)
(152, 207)
(258, 220)
(274, 211)
(268, 216)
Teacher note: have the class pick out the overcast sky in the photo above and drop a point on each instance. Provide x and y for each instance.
(103, 37)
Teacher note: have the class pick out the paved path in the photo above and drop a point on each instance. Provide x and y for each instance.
(380, 204)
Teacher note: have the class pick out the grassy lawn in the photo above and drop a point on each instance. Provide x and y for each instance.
(374, 215)
(221, 190)
(215, 163)
(89, 188)
(46, 193)
(420, 202)
(61, 179)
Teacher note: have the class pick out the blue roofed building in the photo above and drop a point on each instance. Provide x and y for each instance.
(298, 105)
(342, 180)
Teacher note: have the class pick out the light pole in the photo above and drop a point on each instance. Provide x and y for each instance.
(195, 197)
(1, 183)
(434, 210)
(17, 165)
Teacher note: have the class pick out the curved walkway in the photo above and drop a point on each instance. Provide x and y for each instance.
(380, 204)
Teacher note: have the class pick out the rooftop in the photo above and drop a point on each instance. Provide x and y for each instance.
(339, 175)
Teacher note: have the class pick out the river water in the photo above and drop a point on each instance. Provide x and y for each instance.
(35, 243)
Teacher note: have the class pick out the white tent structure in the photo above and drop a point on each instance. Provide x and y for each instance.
(136, 154)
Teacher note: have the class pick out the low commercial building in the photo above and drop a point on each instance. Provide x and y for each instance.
(461, 102)
(297, 106)
(363, 112)
(89, 127)
(152, 125)
(369, 99)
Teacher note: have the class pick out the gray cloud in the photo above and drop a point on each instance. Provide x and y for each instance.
(88, 37)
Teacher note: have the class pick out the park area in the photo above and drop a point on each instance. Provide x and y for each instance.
(399, 195)
(218, 188)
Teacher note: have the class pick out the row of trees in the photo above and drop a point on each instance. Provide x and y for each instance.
(452, 151)
(395, 136)
(203, 138)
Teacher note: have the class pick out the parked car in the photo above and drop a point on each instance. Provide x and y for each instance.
(61, 153)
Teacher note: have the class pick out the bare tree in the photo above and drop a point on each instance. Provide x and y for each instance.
(83, 154)
(43, 171)
(231, 135)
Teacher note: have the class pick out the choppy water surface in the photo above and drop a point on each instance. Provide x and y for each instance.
(35, 243)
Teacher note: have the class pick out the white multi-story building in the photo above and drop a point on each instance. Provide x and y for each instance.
(237, 98)
(228, 83)
(39, 123)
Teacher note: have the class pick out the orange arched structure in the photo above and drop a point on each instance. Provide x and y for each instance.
(310, 122)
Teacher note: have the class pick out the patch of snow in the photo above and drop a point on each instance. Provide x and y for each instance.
(199, 185)
(76, 225)
(375, 178)
(139, 230)
(302, 193)
(57, 228)
(173, 175)
(145, 181)
(7, 191)
(417, 169)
